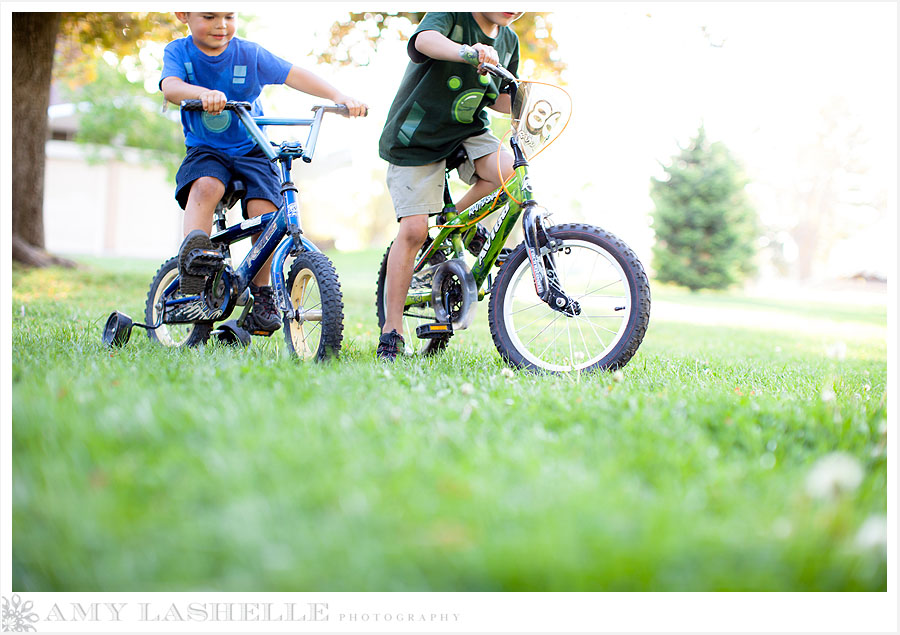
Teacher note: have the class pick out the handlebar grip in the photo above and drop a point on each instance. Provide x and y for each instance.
(499, 71)
(338, 109)
(196, 104)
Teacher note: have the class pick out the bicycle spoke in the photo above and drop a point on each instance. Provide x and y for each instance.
(307, 336)
(525, 326)
(591, 293)
(581, 333)
(541, 303)
(591, 324)
(552, 342)
(542, 330)
(307, 291)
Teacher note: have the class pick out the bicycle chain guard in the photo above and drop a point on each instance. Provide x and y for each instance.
(454, 294)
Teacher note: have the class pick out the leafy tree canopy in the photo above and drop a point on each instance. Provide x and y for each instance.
(355, 39)
(84, 37)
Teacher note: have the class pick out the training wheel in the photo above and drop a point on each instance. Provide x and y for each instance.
(230, 333)
(117, 329)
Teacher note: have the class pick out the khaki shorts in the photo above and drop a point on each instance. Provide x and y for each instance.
(419, 189)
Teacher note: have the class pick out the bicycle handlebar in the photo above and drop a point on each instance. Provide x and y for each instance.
(196, 104)
(242, 110)
(500, 72)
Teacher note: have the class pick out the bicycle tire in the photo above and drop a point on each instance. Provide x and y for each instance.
(314, 290)
(621, 314)
(171, 335)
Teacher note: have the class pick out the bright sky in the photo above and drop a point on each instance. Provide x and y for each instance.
(643, 76)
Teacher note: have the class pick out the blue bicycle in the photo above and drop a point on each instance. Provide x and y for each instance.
(308, 297)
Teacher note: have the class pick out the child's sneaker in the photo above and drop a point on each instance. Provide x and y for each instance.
(264, 318)
(390, 345)
(197, 259)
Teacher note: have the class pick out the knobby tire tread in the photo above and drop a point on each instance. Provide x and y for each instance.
(630, 263)
(332, 302)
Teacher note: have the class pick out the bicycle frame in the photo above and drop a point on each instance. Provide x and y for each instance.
(275, 226)
(512, 200)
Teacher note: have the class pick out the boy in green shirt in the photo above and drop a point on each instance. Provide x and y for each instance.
(440, 106)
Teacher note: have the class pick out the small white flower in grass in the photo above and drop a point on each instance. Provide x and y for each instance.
(618, 376)
(827, 394)
(579, 356)
(507, 372)
(833, 475)
(782, 528)
(837, 350)
(872, 535)
(467, 389)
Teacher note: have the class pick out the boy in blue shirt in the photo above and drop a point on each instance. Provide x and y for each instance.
(440, 106)
(214, 66)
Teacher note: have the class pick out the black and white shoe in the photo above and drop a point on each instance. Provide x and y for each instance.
(197, 259)
(263, 318)
(390, 345)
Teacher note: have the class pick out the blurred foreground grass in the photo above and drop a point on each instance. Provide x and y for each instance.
(724, 457)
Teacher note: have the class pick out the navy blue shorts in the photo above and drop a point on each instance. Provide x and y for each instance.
(259, 175)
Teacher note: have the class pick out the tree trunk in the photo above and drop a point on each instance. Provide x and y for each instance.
(33, 44)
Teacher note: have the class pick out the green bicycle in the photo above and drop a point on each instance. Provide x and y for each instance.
(568, 297)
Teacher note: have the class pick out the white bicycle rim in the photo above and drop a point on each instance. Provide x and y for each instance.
(549, 339)
(306, 331)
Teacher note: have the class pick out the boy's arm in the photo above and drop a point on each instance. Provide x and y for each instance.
(175, 90)
(502, 104)
(439, 47)
(311, 84)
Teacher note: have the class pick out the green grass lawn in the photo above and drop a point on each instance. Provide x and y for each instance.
(712, 462)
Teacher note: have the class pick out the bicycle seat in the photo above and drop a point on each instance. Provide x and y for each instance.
(456, 158)
(234, 192)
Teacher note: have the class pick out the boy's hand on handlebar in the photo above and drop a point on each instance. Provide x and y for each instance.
(479, 54)
(213, 101)
(356, 107)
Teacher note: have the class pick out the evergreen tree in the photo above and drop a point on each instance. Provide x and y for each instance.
(705, 226)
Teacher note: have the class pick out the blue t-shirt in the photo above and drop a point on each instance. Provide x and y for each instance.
(240, 72)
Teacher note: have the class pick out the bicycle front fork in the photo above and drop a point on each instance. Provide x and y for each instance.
(541, 247)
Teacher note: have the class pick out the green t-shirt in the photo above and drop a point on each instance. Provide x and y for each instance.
(441, 103)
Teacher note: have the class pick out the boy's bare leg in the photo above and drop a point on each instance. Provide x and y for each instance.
(205, 193)
(488, 179)
(258, 207)
(410, 237)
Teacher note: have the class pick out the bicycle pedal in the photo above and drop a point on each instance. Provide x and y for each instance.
(478, 240)
(435, 329)
(204, 262)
